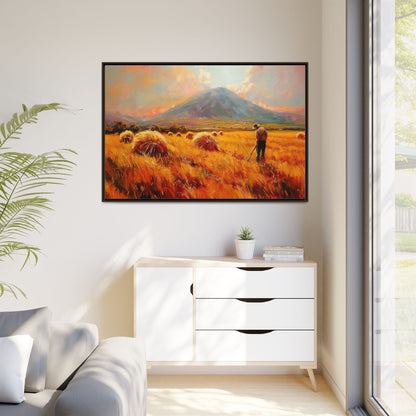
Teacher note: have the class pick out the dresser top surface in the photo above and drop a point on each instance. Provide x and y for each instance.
(229, 261)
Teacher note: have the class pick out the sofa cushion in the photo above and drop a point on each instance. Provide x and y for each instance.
(111, 382)
(70, 346)
(36, 404)
(14, 358)
(34, 322)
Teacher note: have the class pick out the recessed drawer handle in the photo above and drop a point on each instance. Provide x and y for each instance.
(255, 300)
(191, 289)
(255, 269)
(254, 331)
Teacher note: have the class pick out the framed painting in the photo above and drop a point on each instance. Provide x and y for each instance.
(205, 131)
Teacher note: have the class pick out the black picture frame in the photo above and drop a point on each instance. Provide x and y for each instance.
(113, 175)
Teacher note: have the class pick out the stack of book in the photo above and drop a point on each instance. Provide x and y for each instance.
(278, 253)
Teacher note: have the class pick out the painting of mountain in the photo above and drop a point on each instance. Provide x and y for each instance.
(220, 108)
(205, 131)
(112, 118)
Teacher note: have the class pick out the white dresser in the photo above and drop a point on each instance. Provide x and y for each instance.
(225, 311)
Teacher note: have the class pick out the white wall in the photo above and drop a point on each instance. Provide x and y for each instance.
(52, 51)
(334, 196)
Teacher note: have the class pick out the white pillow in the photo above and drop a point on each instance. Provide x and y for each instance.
(14, 358)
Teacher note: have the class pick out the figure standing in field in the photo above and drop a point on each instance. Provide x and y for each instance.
(261, 137)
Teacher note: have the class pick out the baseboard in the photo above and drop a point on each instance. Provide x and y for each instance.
(182, 370)
(334, 387)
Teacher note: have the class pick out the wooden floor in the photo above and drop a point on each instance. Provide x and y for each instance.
(236, 395)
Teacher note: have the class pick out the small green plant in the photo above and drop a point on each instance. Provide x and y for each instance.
(245, 234)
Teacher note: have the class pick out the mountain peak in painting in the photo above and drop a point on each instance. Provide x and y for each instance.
(216, 103)
(217, 107)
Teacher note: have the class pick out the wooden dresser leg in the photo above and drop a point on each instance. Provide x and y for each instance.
(312, 378)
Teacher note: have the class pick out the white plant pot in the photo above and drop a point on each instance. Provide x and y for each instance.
(245, 249)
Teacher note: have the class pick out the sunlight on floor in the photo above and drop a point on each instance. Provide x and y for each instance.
(266, 395)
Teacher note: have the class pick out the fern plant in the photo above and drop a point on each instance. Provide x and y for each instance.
(25, 181)
(245, 234)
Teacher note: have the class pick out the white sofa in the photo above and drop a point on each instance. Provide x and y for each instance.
(84, 377)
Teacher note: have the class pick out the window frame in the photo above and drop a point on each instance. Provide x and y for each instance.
(371, 81)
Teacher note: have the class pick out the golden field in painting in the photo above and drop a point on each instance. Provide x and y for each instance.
(187, 172)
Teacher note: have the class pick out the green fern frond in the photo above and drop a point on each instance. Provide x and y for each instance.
(13, 289)
(12, 248)
(25, 181)
(12, 128)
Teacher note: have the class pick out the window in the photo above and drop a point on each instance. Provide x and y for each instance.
(392, 202)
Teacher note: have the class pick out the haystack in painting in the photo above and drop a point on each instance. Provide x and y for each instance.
(149, 143)
(126, 136)
(205, 141)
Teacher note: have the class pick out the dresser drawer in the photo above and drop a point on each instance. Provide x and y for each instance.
(278, 282)
(233, 346)
(273, 314)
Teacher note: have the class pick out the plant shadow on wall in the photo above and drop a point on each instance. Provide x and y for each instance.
(25, 189)
(111, 304)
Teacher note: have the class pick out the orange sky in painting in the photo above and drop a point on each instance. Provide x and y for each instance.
(151, 112)
(148, 90)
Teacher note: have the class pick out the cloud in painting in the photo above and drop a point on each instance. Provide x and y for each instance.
(277, 88)
(204, 78)
(148, 90)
